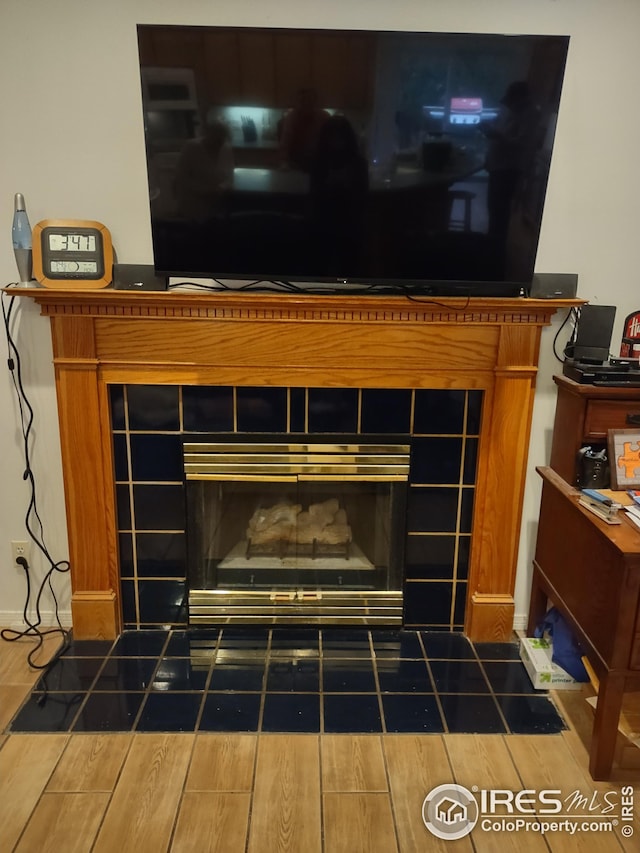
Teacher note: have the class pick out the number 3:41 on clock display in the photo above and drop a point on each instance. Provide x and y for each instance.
(72, 254)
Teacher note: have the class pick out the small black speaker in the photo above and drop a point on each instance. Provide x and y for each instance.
(554, 285)
(593, 333)
(137, 277)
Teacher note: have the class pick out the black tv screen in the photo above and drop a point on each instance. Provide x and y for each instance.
(387, 159)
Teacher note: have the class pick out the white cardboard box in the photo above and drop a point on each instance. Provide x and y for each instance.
(543, 672)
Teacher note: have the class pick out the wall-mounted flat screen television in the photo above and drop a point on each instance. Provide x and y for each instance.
(391, 160)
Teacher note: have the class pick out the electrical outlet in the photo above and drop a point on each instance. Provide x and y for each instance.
(19, 549)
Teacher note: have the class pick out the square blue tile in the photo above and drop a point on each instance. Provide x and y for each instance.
(448, 646)
(207, 409)
(70, 674)
(471, 714)
(508, 677)
(178, 674)
(228, 712)
(153, 407)
(497, 651)
(531, 715)
(333, 410)
(261, 409)
(293, 712)
(458, 676)
(88, 648)
(53, 712)
(244, 638)
(351, 714)
(159, 506)
(140, 644)
(163, 602)
(403, 676)
(156, 457)
(298, 675)
(345, 644)
(386, 410)
(170, 712)
(245, 676)
(185, 643)
(396, 644)
(298, 640)
(125, 674)
(108, 712)
(411, 714)
(348, 676)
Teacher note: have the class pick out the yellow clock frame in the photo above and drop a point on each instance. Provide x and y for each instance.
(77, 229)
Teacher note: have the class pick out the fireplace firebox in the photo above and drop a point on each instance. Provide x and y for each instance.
(296, 530)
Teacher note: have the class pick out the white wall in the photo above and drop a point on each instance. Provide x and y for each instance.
(72, 143)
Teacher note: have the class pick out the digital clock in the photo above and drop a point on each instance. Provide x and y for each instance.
(72, 254)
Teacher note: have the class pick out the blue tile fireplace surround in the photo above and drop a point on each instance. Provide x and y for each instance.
(150, 424)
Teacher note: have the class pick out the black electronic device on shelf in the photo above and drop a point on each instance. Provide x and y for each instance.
(319, 167)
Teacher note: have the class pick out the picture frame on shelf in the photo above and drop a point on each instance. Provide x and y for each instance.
(624, 458)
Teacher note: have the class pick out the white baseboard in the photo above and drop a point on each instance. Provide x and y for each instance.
(520, 622)
(15, 619)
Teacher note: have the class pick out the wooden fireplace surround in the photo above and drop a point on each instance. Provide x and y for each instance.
(177, 337)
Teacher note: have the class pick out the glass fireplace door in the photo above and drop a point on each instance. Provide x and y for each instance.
(274, 544)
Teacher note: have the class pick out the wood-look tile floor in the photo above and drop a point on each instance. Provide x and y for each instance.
(258, 793)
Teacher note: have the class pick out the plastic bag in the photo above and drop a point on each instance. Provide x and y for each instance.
(566, 652)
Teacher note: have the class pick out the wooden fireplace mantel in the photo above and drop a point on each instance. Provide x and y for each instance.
(234, 338)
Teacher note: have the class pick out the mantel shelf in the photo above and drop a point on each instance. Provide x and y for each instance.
(383, 306)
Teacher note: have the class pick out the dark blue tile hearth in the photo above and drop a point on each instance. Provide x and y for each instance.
(294, 712)
(170, 712)
(471, 714)
(70, 673)
(178, 674)
(508, 677)
(530, 715)
(297, 679)
(412, 714)
(396, 644)
(352, 713)
(125, 674)
(339, 643)
(447, 646)
(458, 676)
(241, 675)
(403, 676)
(348, 676)
(497, 651)
(226, 712)
(140, 644)
(300, 676)
(108, 712)
(52, 712)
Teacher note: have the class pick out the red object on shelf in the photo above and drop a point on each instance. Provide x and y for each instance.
(630, 346)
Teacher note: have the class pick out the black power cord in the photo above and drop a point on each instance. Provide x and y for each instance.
(32, 520)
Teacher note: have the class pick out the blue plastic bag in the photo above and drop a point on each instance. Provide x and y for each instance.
(566, 652)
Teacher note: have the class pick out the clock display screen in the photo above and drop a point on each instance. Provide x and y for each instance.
(72, 243)
(90, 267)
